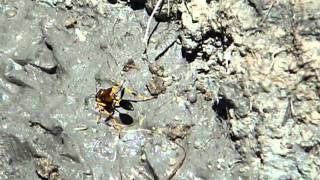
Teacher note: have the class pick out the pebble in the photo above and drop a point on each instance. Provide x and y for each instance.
(156, 86)
(266, 86)
(68, 3)
(192, 97)
(172, 161)
(156, 69)
(11, 13)
(197, 145)
(70, 22)
(143, 157)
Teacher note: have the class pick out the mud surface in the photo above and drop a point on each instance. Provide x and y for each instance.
(236, 85)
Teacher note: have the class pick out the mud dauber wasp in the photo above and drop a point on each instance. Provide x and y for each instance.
(108, 103)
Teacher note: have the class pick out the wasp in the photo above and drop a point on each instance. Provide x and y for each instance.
(108, 102)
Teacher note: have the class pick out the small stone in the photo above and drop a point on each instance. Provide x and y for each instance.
(315, 115)
(70, 22)
(130, 64)
(156, 86)
(192, 97)
(292, 68)
(172, 161)
(266, 85)
(168, 81)
(179, 131)
(68, 3)
(11, 13)
(143, 157)
(46, 169)
(94, 3)
(200, 87)
(200, 65)
(175, 77)
(156, 69)
(197, 145)
(81, 35)
(208, 96)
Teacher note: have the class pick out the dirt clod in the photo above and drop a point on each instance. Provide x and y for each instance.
(156, 86)
(47, 170)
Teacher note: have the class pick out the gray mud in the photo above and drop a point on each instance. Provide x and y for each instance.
(236, 85)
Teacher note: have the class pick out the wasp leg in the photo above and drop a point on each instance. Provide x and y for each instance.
(117, 125)
(98, 119)
(103, 113)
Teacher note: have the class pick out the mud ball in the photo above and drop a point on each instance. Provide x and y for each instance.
(192, 97)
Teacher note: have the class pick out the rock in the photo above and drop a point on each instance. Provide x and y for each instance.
(156, 86)
(156, 69)
(179, 131)
(70, 22)
(11, 13)
(130, 64)
(172, 161)
(192, 97)
(47, 170)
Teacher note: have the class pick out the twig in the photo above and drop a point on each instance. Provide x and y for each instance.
(145, 39)
(265, 17)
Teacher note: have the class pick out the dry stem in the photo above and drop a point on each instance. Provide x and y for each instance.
(146, 37)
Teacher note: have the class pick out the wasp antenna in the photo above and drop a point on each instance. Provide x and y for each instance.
(122, 93)
(117, 110)
(121, 87)
(140, 100)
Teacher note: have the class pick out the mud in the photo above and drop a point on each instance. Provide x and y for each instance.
(236, 86)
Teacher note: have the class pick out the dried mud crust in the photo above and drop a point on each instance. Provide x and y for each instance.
(237, 86)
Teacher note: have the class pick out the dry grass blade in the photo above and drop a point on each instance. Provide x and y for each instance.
(146, 35)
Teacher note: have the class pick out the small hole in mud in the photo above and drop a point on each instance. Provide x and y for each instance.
(48, 46)
(112, 1)
(190, 57)
(222, 107)
(136, 5)
(259, 155)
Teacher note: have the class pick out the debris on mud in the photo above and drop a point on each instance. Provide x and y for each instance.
(130, 64)
(47, 170)
(156, 86)
(156, 69)
(179, 131)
